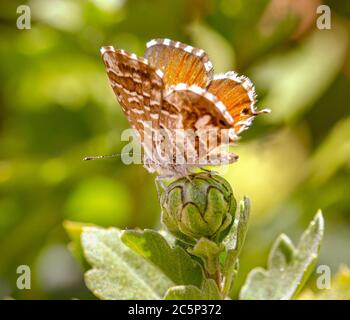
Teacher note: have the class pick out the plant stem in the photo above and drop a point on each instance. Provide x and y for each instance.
(218, 279)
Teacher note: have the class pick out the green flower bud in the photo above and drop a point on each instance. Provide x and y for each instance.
(200, 205)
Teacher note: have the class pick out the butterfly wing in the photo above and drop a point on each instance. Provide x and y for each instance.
(202, 117)
(179, 62)
(139, 90)
(173, 88)
(195, 104)
(237, 93)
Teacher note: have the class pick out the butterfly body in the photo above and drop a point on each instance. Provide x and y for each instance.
(182, 114)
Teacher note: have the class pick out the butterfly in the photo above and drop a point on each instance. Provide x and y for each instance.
(172, 89)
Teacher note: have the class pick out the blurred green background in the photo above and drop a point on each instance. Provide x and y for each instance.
(56, 106)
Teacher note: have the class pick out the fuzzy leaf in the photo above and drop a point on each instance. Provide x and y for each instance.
(229, 272)
(235, 239)
(234, 243)
(288, 267)
(118, 272)
(175, 262)
(208, 291)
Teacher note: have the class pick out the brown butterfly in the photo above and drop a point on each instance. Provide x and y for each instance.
(173, 90)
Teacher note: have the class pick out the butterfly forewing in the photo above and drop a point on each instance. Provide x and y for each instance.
(139, 90)
(179, 62)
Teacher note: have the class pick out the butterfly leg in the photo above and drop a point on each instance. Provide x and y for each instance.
(159, 184)
(211, 172)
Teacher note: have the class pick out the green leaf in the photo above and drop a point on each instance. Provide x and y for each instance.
(74, 230)
(234, 243)
(118, 272)
(175, 262)
(288, 267)
(229, 272)
(235, 239)
(208, 291)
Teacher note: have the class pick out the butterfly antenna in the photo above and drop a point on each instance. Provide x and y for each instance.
(102, 157)
(116, 155)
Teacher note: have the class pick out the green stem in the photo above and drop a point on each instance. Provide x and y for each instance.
(230, 271)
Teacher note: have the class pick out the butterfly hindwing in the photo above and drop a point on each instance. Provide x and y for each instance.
(201, 116)
(238, 95)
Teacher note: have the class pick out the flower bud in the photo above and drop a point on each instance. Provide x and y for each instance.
(200, 205)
